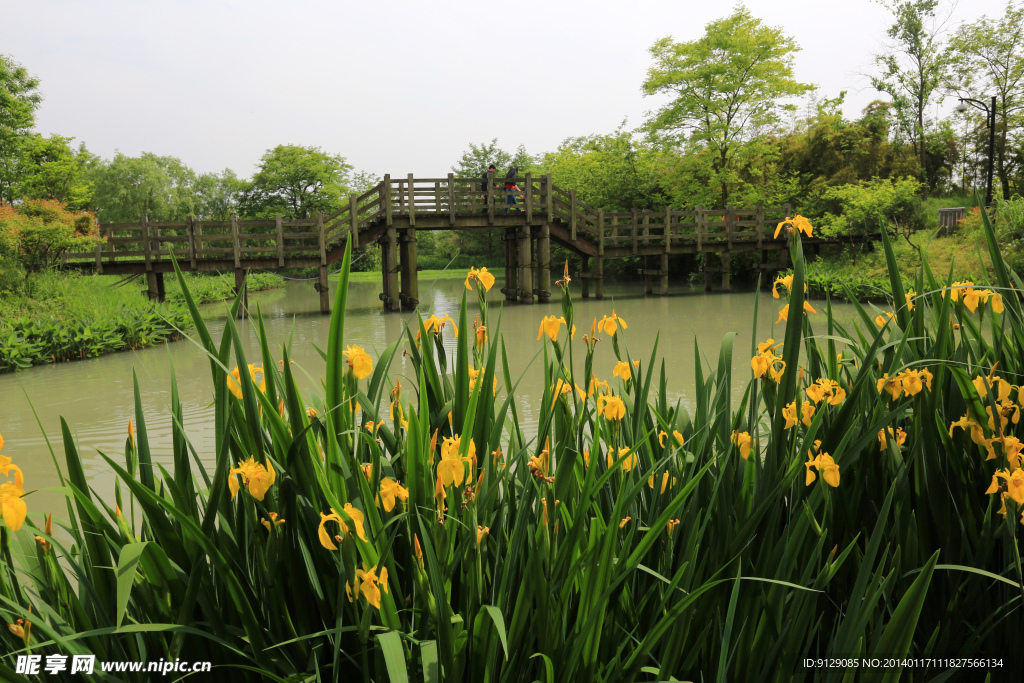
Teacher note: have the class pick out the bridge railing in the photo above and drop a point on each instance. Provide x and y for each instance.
(453, 196)
(194, 240)
(701, 226)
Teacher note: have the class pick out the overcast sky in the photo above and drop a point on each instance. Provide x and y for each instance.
(395, 86)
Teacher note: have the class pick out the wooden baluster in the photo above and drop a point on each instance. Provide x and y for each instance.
(197, 229)
(279, 228)
(236, 242)
(111, 250)
(412, 201)
(191, 230)
(633, 229)
(451, 199)
(353, 219)
(490, 199)
(387, 199)
(572, 213)
(529, 198)
(550, 197)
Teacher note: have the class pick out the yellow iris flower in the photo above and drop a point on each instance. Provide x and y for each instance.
(389, 490)
(371, 585)
(611, 324)
(549, 326)
(742, 441)
(622, 370)
(360, 362)
(356, 517)
(481, 276)
(255, 476)
(611, 407)
(628, 464)
(235, 382)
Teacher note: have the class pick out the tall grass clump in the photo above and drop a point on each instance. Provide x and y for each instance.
(862, 500)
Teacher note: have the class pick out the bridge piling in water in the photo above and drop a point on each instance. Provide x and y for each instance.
(525, 264)
(409, 297)
(585, 275)
(511, 289)
(391, 299)
(544, 266)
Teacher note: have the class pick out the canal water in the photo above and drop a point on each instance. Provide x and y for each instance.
(96, 396)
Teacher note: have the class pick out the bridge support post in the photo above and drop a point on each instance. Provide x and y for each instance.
(707, 272)
(664, 274)
(599, 261)
(584, 272)
(725, 271)
(648, 285)
(544, 266)
(152, 286)
(324, 289)
(410, 295)
(390, 267)
(525, 266)
(240, 286)
(511, 265)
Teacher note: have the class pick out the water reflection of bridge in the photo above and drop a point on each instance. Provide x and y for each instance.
(392, 211)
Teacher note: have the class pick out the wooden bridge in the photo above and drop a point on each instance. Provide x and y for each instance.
(391, 212)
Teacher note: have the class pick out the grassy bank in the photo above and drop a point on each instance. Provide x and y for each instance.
(860, 499)
(62, 316)
(866, 276)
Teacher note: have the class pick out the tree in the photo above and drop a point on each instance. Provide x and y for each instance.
(474, 161)
(614, 172)
(51, 169)
(19, 99)
(128, 188)
(296, 182)
(988, 57)
(215, 196)
(725, 89)
(913, 70)
(38, 232)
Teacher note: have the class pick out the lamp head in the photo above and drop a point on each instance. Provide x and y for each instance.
(960, 108)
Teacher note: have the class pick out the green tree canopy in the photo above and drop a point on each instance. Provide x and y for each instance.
(913, 70)
(51, 169)
(615, 172)
(128, 188)
(475, 160)
(987, 58)
(19, 99)
(296, 182)
(725, 89)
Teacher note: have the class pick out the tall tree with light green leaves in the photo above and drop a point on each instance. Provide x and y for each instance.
(913, 69)
(987, 59)
(615, 171)
(52, 169)
(296, 182)
(19, 99)
(725, 89)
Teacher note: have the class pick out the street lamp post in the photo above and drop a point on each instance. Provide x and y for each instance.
(990, 120)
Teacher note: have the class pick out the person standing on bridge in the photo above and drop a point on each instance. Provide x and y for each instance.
(510, 187)
(488, 177)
